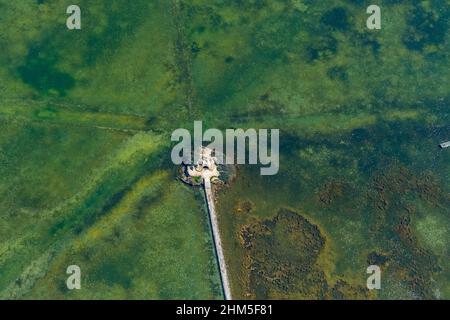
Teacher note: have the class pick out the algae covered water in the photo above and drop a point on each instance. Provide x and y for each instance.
(85, 171)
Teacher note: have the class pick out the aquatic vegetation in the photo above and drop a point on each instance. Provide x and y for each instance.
(427, 26)
(85, 175)
(282, 260)
(40, 72)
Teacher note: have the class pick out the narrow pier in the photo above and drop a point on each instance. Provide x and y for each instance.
(206, 169)
(217, 240)
(445, 145)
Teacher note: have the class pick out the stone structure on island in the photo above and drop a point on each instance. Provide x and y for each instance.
(205, 169)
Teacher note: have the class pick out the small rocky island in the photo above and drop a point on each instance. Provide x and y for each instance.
(206, 168)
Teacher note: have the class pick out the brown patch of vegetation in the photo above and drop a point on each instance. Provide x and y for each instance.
(344, 291)
(411, 262)
(388, 191)
(331, 191)
(281, 259)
